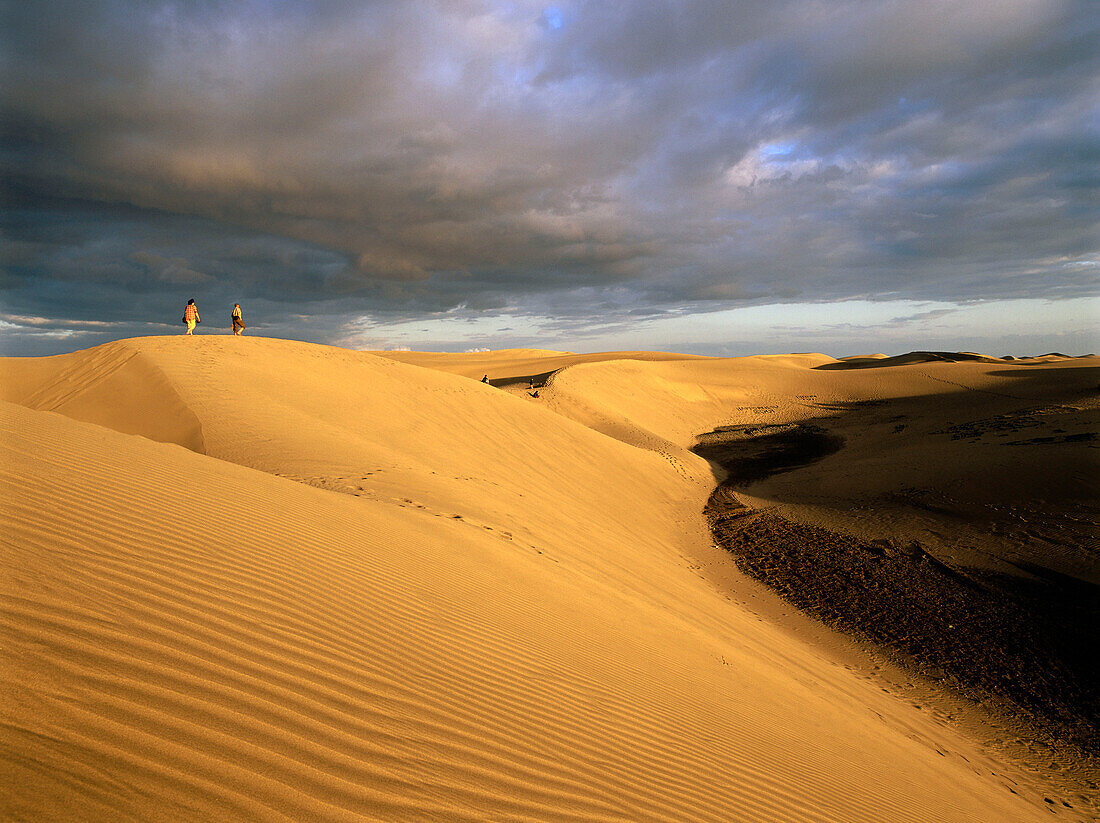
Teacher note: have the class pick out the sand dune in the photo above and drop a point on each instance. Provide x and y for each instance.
(250, 579)
(878, 360)
(507, 364)
(992, 471)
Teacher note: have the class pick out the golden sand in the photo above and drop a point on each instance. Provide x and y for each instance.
(252, 579)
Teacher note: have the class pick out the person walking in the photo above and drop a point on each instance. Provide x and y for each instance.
(191, 316)
(238, 322)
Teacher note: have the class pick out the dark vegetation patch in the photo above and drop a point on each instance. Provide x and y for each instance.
(1026, 640)
(1009, 423)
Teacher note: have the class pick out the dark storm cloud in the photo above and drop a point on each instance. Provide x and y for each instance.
(407, 158)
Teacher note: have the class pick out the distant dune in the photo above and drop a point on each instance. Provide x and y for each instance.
(253, 579)
(880, 360)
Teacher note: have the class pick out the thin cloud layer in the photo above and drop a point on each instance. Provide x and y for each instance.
(395, 160)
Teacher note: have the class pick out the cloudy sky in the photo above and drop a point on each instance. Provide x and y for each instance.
(707, 175)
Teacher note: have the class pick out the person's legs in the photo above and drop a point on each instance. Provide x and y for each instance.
(190, 326)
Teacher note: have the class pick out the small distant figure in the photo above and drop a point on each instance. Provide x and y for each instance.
(191, 316)
(485, 379)
(238, 322)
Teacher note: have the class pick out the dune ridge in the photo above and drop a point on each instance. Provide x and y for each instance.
(115, 385)
(214, 634)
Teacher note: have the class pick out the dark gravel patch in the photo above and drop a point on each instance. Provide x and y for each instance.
(1026, 640)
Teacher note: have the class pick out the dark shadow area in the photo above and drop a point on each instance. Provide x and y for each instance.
(1027, 640)
(531, 381)
(1068, 373)
(751, 453)
(906, 359)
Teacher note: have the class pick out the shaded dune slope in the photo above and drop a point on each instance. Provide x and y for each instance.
(495, 619)
(875, 361)
(116, 385)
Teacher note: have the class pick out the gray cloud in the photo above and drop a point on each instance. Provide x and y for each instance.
(410, 158)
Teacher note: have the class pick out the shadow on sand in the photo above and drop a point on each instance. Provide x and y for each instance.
(531, 381)
(1026, 640)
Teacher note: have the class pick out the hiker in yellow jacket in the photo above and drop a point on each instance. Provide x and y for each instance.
(191, 316)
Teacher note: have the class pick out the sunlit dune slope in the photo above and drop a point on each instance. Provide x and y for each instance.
(188, 636)
(677, 400)
(363, 425)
